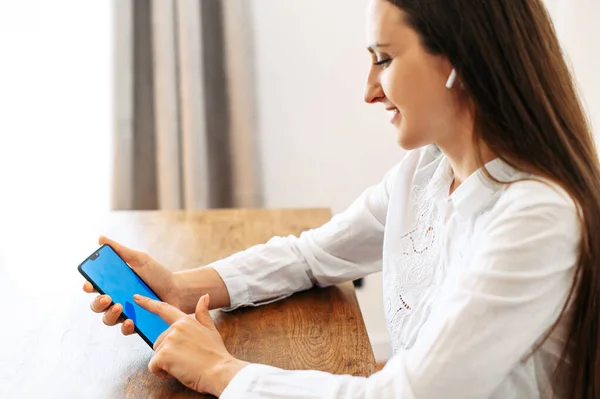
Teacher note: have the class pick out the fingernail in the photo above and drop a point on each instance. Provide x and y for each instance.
(115, 309)
(137, 297)
(104, 300)
(206, 300)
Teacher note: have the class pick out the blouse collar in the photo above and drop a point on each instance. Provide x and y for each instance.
(472, 196)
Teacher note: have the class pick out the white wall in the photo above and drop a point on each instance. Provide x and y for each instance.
(321, 145)
(578, 28)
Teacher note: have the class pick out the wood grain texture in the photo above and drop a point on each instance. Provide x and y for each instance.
(65, 351)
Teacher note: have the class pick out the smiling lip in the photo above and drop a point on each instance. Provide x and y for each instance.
(395, 114)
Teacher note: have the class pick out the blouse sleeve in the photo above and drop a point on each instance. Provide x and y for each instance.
(348, 247)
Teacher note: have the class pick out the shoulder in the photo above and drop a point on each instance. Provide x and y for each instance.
(532, 208)
(532, 228)
(534, 193)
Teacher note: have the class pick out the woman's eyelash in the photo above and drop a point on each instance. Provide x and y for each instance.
(383, 62)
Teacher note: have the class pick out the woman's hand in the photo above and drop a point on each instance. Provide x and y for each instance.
(158, 277)
(191, 349)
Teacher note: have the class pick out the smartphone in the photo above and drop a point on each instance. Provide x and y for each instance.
(111, 275)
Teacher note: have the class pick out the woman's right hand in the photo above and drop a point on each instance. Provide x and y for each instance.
(158, 277)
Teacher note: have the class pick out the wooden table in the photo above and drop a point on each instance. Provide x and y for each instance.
(54, 346)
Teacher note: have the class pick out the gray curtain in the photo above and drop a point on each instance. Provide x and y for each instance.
(185, 130)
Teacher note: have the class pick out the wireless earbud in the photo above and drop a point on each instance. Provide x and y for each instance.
(451, 79)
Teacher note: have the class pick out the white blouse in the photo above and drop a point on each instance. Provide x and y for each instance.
(472, 281)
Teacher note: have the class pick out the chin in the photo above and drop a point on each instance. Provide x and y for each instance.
(407, 142)
(411, 138)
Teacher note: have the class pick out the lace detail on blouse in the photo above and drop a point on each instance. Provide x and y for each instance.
(413, 272)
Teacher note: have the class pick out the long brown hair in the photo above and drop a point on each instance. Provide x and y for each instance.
(527, 112)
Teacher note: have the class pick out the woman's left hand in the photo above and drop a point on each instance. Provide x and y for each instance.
(191, 349)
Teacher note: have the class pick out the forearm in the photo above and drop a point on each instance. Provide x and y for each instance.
(194, 283)
(346, 248)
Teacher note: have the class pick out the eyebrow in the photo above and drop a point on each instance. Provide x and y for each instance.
(372, 47)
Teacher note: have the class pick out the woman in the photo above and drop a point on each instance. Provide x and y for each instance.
(484, 231)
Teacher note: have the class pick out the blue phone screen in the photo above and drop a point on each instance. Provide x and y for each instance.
(113, 276)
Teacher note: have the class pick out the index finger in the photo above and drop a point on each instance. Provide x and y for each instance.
(170, 314)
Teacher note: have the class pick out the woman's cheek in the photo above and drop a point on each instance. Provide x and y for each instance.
(391, 85)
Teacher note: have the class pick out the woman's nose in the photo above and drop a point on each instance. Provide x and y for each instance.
(373, 91)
